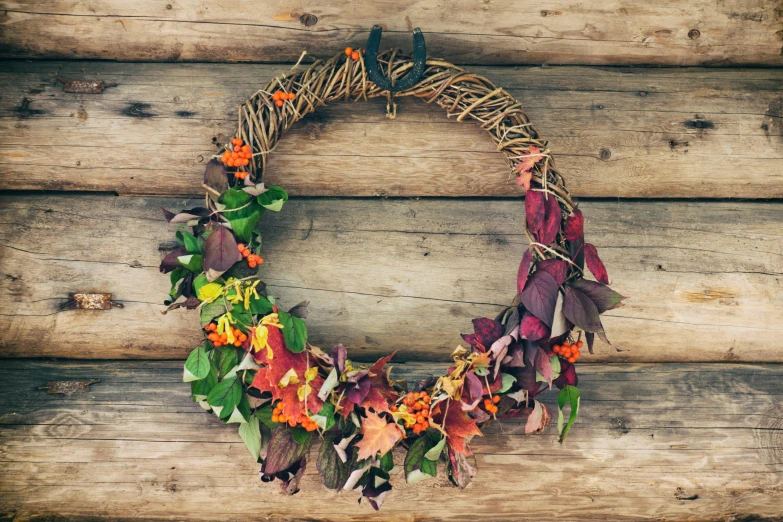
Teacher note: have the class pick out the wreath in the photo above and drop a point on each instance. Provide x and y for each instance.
(256, 367)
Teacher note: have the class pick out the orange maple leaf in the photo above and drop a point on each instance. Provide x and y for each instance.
(377, 435)
(460, 428)
(530, 157)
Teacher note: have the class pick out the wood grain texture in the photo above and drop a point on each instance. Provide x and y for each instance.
(615, 132)
(668, 442)
(384, 275)
(627, 32)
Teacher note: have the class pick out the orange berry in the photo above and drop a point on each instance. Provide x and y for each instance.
(417, 429)
(427, 399)
(579, 344)
(275, 418)
(417, 406)
(496, 399)
(252, 264)
(276, 95)
(279, 103)
(348, 51)
(291, 95)
(213, 337)
(240, 246)
(572, 360)
(354, 55)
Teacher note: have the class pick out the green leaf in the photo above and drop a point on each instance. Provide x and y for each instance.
(225, 396)
(264, 414)
(197, 366)
(225, 358)
(387, 461)
(192, 262)
(241, 411)
(192, 244)
(300, 435)
(434, 452)
(199, 281)
(234, 198)
(273, 198)
(211, 310)
(200, 389)
(415, 460)
(568, 395)
(334, 472)
(294, 332)
(260, 306)
(506, 382)
(243, 226)
(177, 274)
(325, 418)
(251, 434)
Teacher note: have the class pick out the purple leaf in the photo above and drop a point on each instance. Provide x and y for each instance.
(556, 267)
(524, 268)
(487, 331)
(339, 355)
(595, 264)
(535, 211)
(567, 375)
(215, 177)
(577, 252)
(552, 219)
(185, 215)
(540, 296)
(170, 262)
(581, 310)
(220, 253)
(461, 471)
(358, 391)
(283, 451)
(590, 338)
(532, 328)
(575, 225)
(604, 297)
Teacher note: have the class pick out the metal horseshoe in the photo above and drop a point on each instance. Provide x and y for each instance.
(410, 79)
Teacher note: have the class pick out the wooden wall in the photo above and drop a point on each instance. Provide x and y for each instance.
(398, 232)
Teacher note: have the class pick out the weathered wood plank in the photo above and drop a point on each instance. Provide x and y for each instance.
(704, 278)
(707, 446)
(615, 132)
(704, 32)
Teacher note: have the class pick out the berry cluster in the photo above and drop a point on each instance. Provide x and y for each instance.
(350, 52)
(306, 422)
(569, 352)
(417, 404)
(222, 339)
(253, 260)
(238, 155)
(280, 97)
(490, 404)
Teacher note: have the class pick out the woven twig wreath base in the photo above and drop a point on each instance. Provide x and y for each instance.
(256, 367)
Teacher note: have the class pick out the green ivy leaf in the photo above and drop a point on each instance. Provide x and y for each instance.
(294, 332)
(507, 381)
(243, 227)
(251, 434)
(225, 396)
(386, 462)
(568, 395)
(197, 366)
(260, 306)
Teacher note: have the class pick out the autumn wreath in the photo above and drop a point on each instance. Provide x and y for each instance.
(256, 367)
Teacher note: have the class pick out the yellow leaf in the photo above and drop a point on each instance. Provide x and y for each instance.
(290, 377)
(311, 374)
(303, 391)
(209, 291)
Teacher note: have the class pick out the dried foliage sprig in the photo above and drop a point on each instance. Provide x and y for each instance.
(256, 367)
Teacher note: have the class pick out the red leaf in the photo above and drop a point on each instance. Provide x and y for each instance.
(459, 427)
(540, 296)
(552, 218)
(460, 470)
(595, 264)
(604, 297)
(580, 310)
(487, 331)
(535, 211)
(381, 394)
(538, 419)
(556, 267)
(220, 252)
(524, 269)
(532, 328)
(524, 179)
(575, 225)
(529, 158)
(543, 366)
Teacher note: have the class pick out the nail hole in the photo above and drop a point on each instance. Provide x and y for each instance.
(693, 34)
(605, 154)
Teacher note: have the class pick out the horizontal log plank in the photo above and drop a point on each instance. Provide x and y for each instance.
(383, 275)
(668, 441)
(617, 132)
(680, 32)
